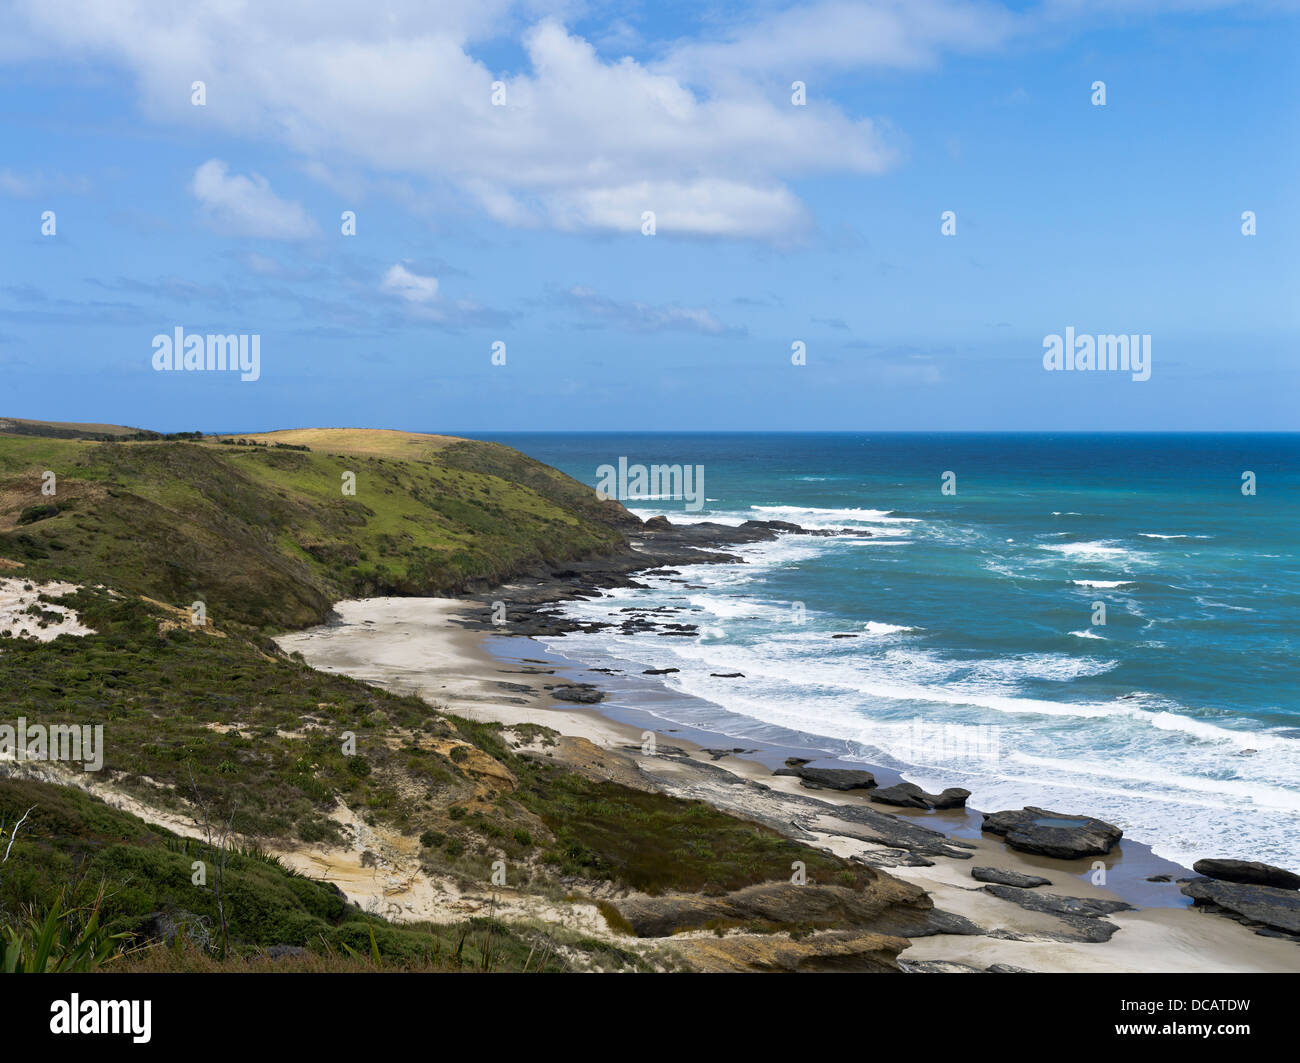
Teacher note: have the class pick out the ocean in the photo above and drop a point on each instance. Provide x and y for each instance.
(982, 656)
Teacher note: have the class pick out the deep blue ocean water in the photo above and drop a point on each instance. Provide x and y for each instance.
(977, 660)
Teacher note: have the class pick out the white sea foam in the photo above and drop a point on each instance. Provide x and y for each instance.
(824, 517)
(726, 607)
(1142, 772)
(689, 518)
(1008, 672)
(888, 680)
(1208, 604)
(874, 627)
(1102, 550)
(1141, 759)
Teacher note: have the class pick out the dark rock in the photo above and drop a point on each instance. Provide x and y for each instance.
(828, 778)
(1002, 877)
(886, 905)
(1247, 873)
(909, 795)
(953, 797)
(653, 547)
(660, 671)
(581, 693)
(1037, 830)
(804, 818)
(904, 794)
(1266, 906)
(727, 675)
(1159, 878)
(1081, 914)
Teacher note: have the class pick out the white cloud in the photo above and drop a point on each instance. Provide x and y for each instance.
(409, 286)
(804, 42)
(708, 207)
(13, 184)
(246, 206)
(397, 94)
(401, 95)
(643, 317)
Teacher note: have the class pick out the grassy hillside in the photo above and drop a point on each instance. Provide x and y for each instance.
(218, 717)
(260, 734)
(138, 879)
(265, 535)
(207, 717)
(371, 442)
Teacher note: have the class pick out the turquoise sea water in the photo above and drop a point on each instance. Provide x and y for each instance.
(977, 660)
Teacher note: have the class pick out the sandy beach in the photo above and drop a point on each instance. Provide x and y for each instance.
(417, 646)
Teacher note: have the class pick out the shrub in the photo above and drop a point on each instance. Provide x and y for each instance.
(32, 514)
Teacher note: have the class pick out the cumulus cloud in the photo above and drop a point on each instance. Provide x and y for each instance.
(582, 142)
(408, 286)
(419, 297)
(246, 206)
(702, 132)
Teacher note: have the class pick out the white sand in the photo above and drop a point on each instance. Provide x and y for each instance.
(15, 600)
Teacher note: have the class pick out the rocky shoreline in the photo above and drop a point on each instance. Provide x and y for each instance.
(657, 548)
(1263, 898)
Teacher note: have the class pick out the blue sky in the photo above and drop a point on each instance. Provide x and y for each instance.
(775, 223)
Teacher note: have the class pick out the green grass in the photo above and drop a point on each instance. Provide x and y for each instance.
(654, 843)
(262, 735)
(262, 731)
(133, 879)
(265, 536)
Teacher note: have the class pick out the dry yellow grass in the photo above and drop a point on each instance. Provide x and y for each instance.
(375, 442)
